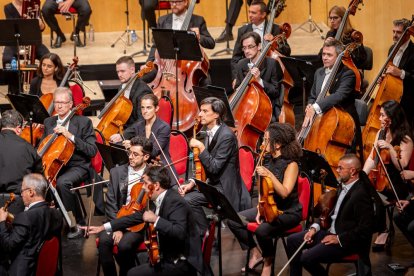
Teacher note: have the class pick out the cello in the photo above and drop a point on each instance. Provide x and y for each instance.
(117, 112)
(331, 133)
(180, 77)
(56, 150)
(391, 88)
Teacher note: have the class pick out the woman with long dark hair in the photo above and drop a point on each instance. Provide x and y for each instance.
(49, 75)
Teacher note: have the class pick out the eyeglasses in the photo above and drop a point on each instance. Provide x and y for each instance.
(134, 154)
(56, 103)
(23, 190)
(333, 17)
(244, 48)
(175, 2)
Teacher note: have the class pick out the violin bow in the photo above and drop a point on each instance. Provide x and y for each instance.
(68, 216)
(91, 208)
(291, 258)
(168, 164)
(88, 185)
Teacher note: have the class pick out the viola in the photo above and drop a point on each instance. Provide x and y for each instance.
(10, 216)
(56, 150)
(138, 202)
(199, 172)
(152, 239)
(378, 175)
(117, 112)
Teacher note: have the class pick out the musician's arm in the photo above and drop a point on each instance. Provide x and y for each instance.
(86, 141)
(10, 241)
(214, 165)
(205, 38)
(163, 137)
(406, 152)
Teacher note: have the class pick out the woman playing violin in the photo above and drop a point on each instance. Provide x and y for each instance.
(397, 132)
(49, 75)
(282, 169)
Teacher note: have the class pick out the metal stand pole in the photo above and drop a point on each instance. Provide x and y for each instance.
(227, 50)
(312, 24)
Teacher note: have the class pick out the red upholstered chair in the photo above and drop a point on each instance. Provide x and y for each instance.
(246, 161)
(350, 259)
(77, 93)
(49, 255)
(179, 150)
(166, 110)
(70, 16)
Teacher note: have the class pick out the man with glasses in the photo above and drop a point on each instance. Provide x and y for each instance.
(122, 180)
(17, 158)
(79, 131)
(268, 75)
(350, 231)
(20, 242)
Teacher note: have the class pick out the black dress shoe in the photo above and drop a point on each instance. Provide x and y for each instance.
(77, 41)
(75, 234)
(58, 42)
(224, 37)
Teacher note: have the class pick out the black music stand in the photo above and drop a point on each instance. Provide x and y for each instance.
(214, 91)
(313, 163)
(19, 32)
(112, 156)
(177, 45)
(221, 207)
(31, 109)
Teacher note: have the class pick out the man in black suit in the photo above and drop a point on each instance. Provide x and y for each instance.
(125, 69)
(79, 131)
(178, 240)
(341, 93)
(17, 158)
(350, 231)
(403, 67)
(84, 13)
(268, 75)
(220, 159)
(257, 17)
(29, 230)
(122, 181)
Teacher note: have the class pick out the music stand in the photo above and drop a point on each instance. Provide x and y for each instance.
(17, 32)
(30, 107)
(177, 45)
(221, 207)
(214, 91)
(313, 163)
(112, 156)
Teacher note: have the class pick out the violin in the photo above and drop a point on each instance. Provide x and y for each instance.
(139, 200)
(267, 207)
(10, 216)
(56, 150)
(199, 172)
(152, 238)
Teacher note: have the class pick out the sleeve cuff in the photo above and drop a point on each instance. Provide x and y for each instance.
(402, 76)
(108, 227)
(261, 83)
(337, 236)
(72, 138)
(156, 221)
(318, 110)
(315, 226)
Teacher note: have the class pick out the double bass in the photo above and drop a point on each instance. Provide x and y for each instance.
(331, 134)
(56, 150)
(182, 76)
(391, 88)
(353, 5)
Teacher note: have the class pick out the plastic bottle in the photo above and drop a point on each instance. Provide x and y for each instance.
(134, 36)
(14, 64)
(91, 33)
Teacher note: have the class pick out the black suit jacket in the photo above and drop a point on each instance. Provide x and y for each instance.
(17, 158)
(30, 229)
(221, 164)
(116, 195)
(177, 231)
(238, 52)
(81, 127)
(270, 72)
(138, 90)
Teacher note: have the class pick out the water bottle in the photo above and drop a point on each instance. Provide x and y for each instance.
(91, 34)
(14, 64)
(134, 36)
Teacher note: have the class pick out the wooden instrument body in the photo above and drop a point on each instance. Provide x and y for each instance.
(267, 205)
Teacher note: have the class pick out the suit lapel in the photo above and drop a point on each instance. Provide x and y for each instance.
(214, 141)
(73, 125)
(319, 80)
(168, 21)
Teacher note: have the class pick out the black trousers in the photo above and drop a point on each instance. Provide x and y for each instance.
(234, 11)
(84, 13)
(148, 12)
(126, 252)
(68, 178)
(265, 233)
(405, 222)
(197, 200)
(164, 268)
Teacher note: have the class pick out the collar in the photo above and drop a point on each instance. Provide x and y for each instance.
(159, 199)
(259, 27)
(179, 17)
(60, 121)
(212, 132)
(33, 204)
(131, 171)
(347, 187)
(404, 46)
(328, 71)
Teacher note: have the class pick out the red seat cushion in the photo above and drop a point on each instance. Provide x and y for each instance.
(252, 226)
(48, 258)
(351, 258)
(246, 161)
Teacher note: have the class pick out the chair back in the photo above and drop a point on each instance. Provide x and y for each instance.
(77, 93)
(304, 194)
(97, 160)
(166, 110)
(47, 261)
(208, 241)
(179, 150)
(246, 161)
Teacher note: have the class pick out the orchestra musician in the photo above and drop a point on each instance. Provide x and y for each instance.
(350, 231)
(49, 75)
(80, 132)
(397, 133)
(148, 12)
(122, 179)
(38, 223)
(404, 67)
(178, 239)
(125, 69)
(84, 13)
(342, 92)
(220, 159)
(175, 20)
(13, 10)
(336, 14)
(268, 75)
(282, 171)
(17, 159)
(257, 17)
